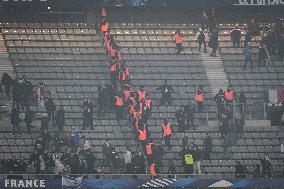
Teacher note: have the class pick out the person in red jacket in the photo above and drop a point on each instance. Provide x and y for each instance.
(199, 98)
(178, 41)
(149, 151)
(167, 132)
(229, 98)
(104, 27)
(142, 135)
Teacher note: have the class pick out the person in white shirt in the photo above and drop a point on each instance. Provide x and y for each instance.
(128, 160)
(58, 166)
(84, 147)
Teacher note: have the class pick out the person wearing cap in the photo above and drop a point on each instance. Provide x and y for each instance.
(248, 55)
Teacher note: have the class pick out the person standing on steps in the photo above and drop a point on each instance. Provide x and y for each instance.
(50, 107)
(15, 120)
(201, 39)
(167, 132)
(29, 119)
(199, 98)
(213, 42)
(180, 117)
(178, 41)
(236, 37)
(248, 55)
(7, 83)
(190, 111)
(166, 90)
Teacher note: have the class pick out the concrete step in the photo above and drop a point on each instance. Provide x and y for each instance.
(5, 55)
(248, 123)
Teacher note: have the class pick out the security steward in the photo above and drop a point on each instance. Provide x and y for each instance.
(167, 132)
(188, 161)
(142, 135)
(149, 151)
(178, 41)
(229, 98)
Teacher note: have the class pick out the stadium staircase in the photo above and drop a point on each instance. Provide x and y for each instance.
(215, 72)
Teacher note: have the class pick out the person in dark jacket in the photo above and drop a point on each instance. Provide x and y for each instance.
(247, 37)
(60, 118)
(242, 101)
(241, 170)
(280, 46)
(253, 27)
(44, 122)
(16, 92)
(29, 119)
(28, 92)
(180, 117)
(50, 108)
(248, 55)
(201, 40)
(138, 164)
(102, 101)
(266, 166)
(263, 55)
(236, 37)
(166, 90)
(197, 156)
(15, 119)
(172, 170)
(190, 112)
(256, 171)
(88, 111)
(207, 147)
(220, 101)
(7, 83)
(213, 42)
(106, 150)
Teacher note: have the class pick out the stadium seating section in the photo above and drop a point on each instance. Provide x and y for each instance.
(71, 60)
